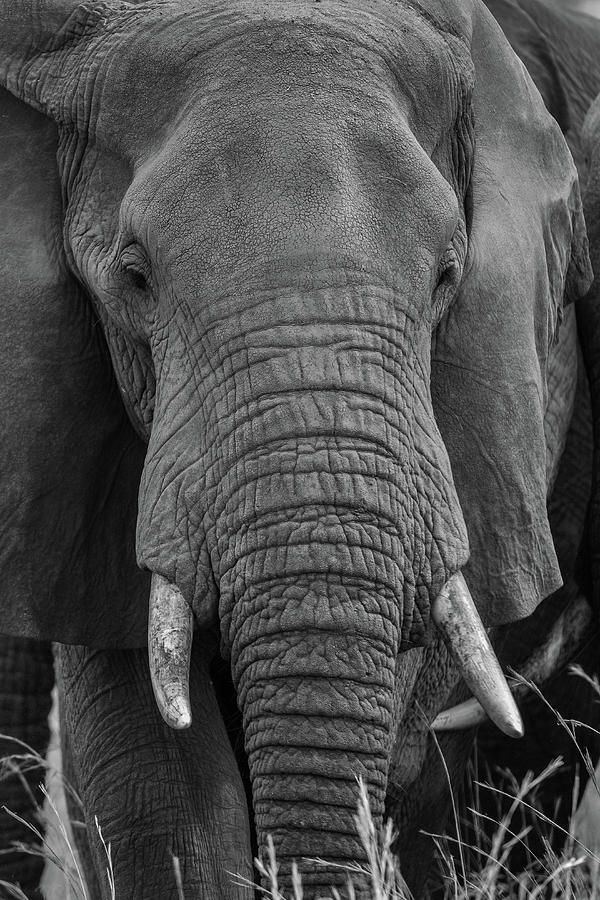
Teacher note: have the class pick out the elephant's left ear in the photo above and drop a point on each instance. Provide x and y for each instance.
(527, 256)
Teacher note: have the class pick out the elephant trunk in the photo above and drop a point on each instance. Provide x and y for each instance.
(307, 501)
(317, 695)
(306, 420)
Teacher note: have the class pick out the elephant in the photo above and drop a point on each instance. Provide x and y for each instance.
(288, 372)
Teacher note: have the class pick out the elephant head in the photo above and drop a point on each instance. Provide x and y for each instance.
(328, 247)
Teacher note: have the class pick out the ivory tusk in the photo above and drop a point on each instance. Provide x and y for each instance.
(456, 617)
(467, 714)
(563, 640)
(170, 633)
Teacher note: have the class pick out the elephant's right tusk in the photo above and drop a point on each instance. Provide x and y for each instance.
(456, 616)
(563, 641)
(170, 634)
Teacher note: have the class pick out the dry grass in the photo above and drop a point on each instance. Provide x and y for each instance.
(52, 833)
(381, 871)
(485, 843)
(474, 863)
(488, 842)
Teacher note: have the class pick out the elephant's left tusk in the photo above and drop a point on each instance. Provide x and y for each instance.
(170, 633)
(563, 640)
(456, 616)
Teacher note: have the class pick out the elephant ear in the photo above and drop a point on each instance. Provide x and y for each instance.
(70, 462)
(527, 254)
(533, 49)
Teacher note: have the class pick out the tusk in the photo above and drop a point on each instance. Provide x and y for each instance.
(170, 633)
(563, 640)
(456, 616)
(467, 714)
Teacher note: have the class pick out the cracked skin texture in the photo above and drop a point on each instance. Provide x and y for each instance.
(280, 234)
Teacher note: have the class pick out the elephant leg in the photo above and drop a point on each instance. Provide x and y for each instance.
(157, 793)
(26, 682)
(79, 829)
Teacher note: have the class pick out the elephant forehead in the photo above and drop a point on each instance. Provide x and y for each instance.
(156, 58)
(354, 185)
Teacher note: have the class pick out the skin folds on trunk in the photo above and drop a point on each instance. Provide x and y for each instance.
(316, 686)
(325, 522)
(308, 418)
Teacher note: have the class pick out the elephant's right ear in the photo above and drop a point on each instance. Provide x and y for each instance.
(70, 461)
(527, 255)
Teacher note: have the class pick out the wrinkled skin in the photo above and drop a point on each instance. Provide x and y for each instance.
(339, 393)
(562, 53)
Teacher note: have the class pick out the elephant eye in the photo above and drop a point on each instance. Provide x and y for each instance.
(448, 270)
(448, 278)
(136, 267)
(138, 279)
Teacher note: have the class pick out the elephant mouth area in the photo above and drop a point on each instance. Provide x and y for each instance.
(171, 628)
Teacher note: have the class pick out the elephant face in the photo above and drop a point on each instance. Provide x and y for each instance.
(280, 318)
(294, 227)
